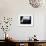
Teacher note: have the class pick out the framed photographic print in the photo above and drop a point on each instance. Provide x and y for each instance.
(25, 20)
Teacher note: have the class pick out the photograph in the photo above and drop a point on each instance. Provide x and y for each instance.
(25, 19)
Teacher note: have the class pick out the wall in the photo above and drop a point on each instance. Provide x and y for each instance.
(13, 8)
